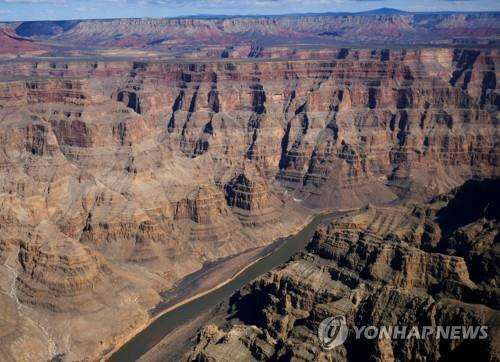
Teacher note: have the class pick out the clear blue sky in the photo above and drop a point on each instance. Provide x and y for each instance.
(78, 9)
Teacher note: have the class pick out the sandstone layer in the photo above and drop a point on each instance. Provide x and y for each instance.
(296, 36)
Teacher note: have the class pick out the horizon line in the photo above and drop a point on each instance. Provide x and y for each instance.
(373, 12)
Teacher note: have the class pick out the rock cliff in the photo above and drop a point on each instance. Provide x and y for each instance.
(120, 178)
(387, 266)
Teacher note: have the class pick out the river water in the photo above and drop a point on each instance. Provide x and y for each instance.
(166, 323)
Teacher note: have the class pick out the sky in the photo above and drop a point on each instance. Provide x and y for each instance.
(16, 10)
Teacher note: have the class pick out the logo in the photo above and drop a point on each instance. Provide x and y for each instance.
(332, 332)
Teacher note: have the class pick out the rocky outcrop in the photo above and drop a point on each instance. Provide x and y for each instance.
(210, 217)
(249, 197)
(383, 267)
(60, 275)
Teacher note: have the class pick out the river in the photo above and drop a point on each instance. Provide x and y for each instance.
(167, 322)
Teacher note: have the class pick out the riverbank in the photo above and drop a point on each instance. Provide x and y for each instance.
(165, 322)
(211, 277)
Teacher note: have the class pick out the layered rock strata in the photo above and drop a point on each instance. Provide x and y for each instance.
(412, 265)
(256, 36)
(248, 196)
(119, 178)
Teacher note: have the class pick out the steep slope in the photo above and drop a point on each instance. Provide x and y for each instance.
(13, 44)
(388, 266)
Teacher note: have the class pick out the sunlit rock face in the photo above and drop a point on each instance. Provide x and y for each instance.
(419, 264)
(119, 178)
(250, 198)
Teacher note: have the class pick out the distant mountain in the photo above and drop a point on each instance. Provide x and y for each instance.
(45, 28)
(380, 26)
(209, 16)
(384, 11)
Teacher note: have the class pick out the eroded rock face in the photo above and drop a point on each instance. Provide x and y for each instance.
(119, 178)
(386, 266)
(210, 217)
(58, 274)
(251, 199)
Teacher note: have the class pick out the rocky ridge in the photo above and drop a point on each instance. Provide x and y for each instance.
(387, 266)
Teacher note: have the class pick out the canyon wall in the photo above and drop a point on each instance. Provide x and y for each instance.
(119, 178)
(430, 264)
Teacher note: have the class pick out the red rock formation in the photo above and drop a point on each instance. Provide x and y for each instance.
(251, 200)
(135, 174)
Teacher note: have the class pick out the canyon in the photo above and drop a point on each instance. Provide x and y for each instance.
(120, 178)
(418, 264)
